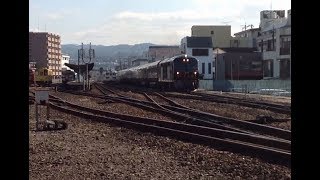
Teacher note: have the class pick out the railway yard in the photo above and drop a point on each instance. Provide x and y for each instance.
(116, 132)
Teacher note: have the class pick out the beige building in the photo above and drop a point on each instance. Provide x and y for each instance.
(220, 35)
(45, 50)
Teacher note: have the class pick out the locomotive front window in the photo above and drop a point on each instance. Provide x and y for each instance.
(188, 66)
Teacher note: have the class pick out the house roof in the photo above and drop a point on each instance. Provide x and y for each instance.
(253, 29)
(82, 67)
(163, 47)
(234, 49)
(137, 60)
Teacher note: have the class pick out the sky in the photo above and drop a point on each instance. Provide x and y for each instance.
(162, 22)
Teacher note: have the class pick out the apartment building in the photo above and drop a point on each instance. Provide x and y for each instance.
(45, 50)
(245, 39)
(274, 41)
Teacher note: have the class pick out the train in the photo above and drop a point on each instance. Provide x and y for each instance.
(110, 76)
(41, 76)
(44, 77)
(178, 73)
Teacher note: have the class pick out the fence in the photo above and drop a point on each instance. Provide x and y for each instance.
(271, 87)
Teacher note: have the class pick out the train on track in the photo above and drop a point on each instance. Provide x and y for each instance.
(44, 77)
(178, 73)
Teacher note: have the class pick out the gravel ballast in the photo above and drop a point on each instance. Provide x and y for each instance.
(92, 150)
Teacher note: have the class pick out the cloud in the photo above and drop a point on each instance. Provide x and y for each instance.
(61, 14)
(55, 16)
(169, 27)
(34, 30)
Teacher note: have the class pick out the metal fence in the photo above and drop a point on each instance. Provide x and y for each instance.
(274, 87)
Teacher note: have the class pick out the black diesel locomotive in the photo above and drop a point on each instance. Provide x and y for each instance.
(178, 72)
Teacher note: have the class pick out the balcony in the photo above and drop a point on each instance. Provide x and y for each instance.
(284, 51)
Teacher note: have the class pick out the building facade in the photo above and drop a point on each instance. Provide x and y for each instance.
(220, 35)
(238, 64)
(45, 50)
(156, 53)
(65, 59)
(274, 41)
(201, 49)
(245, 39)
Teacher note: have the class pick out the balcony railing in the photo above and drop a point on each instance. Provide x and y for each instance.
(284, 51)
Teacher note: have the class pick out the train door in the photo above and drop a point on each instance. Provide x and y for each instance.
(161, 73)
(169, 72)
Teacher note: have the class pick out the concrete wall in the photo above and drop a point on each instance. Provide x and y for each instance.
(251, 85)
(221, 34)
(206, 84)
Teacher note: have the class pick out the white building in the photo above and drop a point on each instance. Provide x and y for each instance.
(201, 49)
(65, 59)
(245, 39)
(274, 41)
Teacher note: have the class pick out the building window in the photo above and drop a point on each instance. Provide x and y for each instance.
(212, 32)
(200, 52)
(268, 68)
(203, 68)
(209, 68)
(285, 44)
(285, 68)
(269, 45)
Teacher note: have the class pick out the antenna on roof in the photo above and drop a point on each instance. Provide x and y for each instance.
(38, 25)
(244, 26)
(226, 22)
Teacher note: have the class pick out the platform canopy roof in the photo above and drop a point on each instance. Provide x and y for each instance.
(82, 67)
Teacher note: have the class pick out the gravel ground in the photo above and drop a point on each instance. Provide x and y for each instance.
(91, 150)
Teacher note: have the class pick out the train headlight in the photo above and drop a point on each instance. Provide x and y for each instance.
(177, 72)
(184, 60)
(195, 73)
(187, 60)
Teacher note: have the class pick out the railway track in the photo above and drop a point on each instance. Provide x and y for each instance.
(263, 147)
(279, 108)
(208, 117)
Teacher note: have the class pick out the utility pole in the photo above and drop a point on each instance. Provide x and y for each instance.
(217, 63)
(91, 56)
(231, 70)
(78, 74)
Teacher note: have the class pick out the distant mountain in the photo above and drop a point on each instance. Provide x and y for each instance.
(105, 53)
